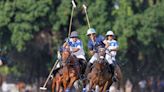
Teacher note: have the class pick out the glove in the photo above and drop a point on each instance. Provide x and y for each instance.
(67, 40)
(95, 51)
(109, 50)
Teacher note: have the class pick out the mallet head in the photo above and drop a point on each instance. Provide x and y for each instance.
(73, 3)
(43, 88)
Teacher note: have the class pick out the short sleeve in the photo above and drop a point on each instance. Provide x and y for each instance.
(79, 44)
(116, 44)
(90, 47)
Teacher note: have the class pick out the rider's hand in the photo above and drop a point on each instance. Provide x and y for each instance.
(92, 52)
(67, 40)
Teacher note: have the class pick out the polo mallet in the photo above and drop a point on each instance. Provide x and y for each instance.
(53, 68)
(70, 24)
(85, 9)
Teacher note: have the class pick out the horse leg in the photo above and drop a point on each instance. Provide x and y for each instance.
(98, 88)
(57, 87)
(65, 77)
(78, 85)
(61, 89)
(90, 86)
(105, 86)
(119, 76)
(53, 84)
(58, 82)
(72, 80)
(65, 84)
(110, 82)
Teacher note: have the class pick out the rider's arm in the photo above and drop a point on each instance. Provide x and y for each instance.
(75, 49)
(106, 43)
(65, 44)
(114, 47)
(78, 47)
(90, 47)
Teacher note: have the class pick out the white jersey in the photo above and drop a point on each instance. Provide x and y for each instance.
(112, 45)
(78, 44)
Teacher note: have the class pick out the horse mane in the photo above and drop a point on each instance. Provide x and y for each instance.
(68, 58)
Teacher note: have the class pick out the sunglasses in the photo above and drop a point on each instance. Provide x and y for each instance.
(109, 35)
(74, 37)
(91, 34)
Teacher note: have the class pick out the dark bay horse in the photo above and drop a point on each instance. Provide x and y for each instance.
(67, 74)
(119, 76)
(100, 78)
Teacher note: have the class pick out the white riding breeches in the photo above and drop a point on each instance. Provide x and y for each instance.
(93, 58)
(109, 58)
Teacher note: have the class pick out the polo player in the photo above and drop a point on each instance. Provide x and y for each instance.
(112, 47)
(75, 45)
(94, 42)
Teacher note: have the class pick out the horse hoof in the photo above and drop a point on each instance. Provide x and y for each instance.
(67, 90)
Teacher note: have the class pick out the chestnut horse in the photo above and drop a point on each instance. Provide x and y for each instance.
(67, 74)
(100, 78)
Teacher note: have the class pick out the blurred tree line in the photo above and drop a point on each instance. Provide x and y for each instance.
(31, 31)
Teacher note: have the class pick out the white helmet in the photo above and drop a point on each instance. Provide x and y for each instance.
(91, 31)
(109, 33)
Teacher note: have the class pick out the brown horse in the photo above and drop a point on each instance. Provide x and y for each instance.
(57, 81)
(100, 78)
(68, 74)
(119, 76)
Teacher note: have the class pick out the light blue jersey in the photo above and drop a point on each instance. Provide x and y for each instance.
(110, 56)
(78, 44)
(113, 44)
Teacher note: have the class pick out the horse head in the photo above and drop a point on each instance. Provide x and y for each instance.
(67, 57)
(101, 55)
(100, 75)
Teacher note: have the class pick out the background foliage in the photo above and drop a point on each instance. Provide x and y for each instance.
(32, 30)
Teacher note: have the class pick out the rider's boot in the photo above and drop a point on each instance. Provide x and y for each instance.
(114, 79)
(88, 68)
